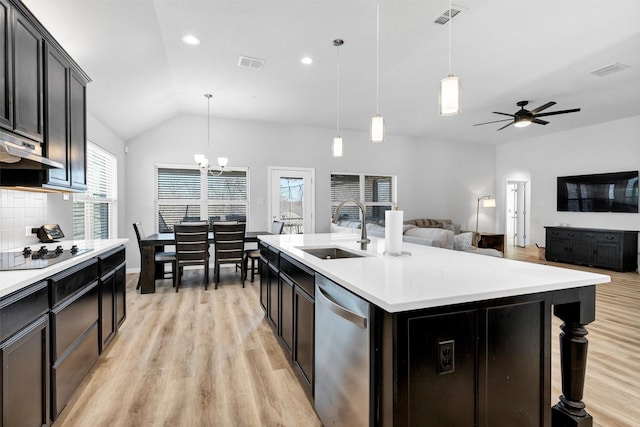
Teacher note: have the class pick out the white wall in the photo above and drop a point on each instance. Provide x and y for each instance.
(60, 211)
(434, 178)
(606, 147)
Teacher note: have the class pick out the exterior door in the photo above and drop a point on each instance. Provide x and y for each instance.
(292, 199)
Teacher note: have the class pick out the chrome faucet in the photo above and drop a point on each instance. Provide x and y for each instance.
(363, 226)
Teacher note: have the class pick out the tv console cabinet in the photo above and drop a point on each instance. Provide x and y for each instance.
(610, 249)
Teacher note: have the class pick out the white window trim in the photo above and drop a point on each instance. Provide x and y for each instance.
(361, 181)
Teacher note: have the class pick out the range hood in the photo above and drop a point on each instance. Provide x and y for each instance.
(16, 154)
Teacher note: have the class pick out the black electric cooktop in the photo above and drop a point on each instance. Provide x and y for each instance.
(30, 259)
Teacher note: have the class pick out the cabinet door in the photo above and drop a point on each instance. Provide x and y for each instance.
(304, 334)
(264, 285)
(272, 312)
(608, 254)
(78, 128)
(27, 79)
(121, 295)
(107, 309)
(25, 376)
(56, 146)
(556, 248)
(6, 95)
(286, 312)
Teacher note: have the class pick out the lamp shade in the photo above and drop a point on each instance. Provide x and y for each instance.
(222, 161)
(336, 149)
(489, 203)
(449, 99)
(377, 128)
(522, 123)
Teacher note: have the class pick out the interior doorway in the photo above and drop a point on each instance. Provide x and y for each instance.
(292, 199)
(516, 213)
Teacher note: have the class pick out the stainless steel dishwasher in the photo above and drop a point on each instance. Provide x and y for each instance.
(342, 356)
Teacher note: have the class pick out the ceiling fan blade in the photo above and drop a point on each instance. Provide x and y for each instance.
(540, 122)
(507, 125)
(495, 121)
(553, 113)
(504, 114)
(542, 107)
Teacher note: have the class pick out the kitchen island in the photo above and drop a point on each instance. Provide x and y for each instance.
(456, 339)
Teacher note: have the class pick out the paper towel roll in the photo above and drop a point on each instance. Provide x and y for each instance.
(393, 232)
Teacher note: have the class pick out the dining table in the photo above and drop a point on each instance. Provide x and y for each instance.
(151, 270)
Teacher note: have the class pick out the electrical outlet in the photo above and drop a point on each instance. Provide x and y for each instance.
(446, 357)
(27, 230)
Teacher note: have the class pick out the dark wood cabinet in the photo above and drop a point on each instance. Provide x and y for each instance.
(611, 249)
(24, 352)
(6, 79)
(287, 292)
(112, 294)
(303, 341)
(78, 127)
(28, 44)
(75, 337)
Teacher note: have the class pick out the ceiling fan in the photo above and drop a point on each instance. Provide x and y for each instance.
(524, 117)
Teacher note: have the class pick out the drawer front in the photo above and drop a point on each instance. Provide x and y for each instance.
(65, 284)
(564, 234)
(20, 309)
(298, 273)
(72, 319)
(273, 255)
(110, 260)
(67, 374)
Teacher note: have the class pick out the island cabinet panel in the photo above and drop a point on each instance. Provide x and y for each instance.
(303, 342)
(442, 392)
(477, 364)
(24, 352)
(112, 294)
(287, 292)
(612, 249)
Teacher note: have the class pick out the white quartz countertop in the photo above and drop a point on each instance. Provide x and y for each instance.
(11, 281)
(430, 277)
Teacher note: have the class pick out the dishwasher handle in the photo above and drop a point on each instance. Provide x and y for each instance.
(346, 314)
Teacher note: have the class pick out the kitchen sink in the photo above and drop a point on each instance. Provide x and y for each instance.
(331, 252)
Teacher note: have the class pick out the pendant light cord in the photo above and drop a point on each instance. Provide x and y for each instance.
(337, 89)
(378, 56)
(208, 123)
(450, 23)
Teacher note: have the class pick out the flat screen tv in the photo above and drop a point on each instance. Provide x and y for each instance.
(603, 192)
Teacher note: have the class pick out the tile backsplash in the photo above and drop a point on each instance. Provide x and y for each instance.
(18, 210)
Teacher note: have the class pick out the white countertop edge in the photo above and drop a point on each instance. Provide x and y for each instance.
(12, 281)
(552, 278)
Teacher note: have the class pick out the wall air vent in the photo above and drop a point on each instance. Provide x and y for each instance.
(249, 62)
(609, 69)
(443, 18)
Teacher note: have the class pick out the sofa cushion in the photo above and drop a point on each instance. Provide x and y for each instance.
(462, 241)
(375, 230)
(442, 237)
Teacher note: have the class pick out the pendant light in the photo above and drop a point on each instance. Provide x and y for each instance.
(449, 97)
(337, 140)
(377, 121)
(201, 159)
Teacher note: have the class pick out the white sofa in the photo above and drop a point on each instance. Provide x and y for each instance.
(437, 237)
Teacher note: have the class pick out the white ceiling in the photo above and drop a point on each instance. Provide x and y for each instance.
(503, 51)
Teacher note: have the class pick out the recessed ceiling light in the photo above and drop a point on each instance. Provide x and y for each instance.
(191, 40)
(307, 60)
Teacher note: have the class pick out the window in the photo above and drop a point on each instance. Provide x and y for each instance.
(376, 192)
(185, 193)
(95, 212)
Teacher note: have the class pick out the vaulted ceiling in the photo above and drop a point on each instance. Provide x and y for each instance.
(504, 51)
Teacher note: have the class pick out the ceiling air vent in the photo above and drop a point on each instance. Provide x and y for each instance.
(608, 69)
(443, 18)
(249, 62)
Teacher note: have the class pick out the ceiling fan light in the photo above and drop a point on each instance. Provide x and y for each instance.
(336, 148)
(449, 99)
(377, 128)
(523, 123)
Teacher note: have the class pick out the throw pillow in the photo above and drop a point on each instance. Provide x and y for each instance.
(462, 241)
(453, 227)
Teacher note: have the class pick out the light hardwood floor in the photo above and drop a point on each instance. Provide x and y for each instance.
(208, 358)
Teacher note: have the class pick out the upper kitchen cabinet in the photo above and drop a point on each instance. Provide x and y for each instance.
(42, 105)
(65, 138)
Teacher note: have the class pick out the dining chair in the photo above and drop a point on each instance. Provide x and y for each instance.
(254, 254)
(228, 247)
(163, 257)
(192, 248)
